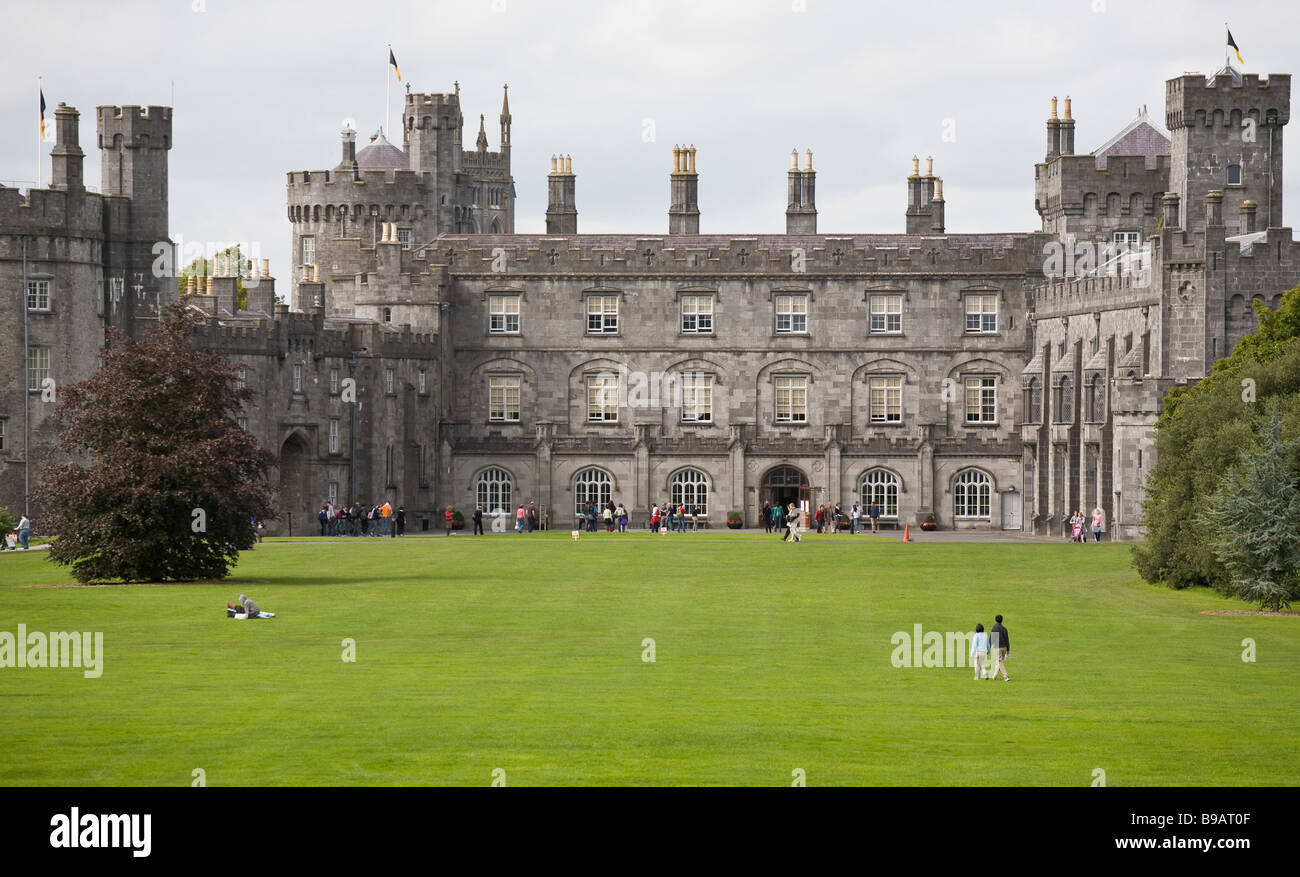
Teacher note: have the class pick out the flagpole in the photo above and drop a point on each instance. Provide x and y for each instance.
(1226, 31)
(40, 170)
(388, 86)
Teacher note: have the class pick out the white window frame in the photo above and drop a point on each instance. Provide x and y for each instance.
(495, 483)
(984, 400)
(4, 435)
(882, 487)
(297, 377)
(602, 314)
(390, 378)
(241, 377)
(690, 487)
(978, 481)
(790, 393)
(243, 423)
(503, 314)
(334, 435)
(602, 398)
(404, 238)
(423, 382)
(308, 249)
(334, 382)
(791, 313)
(38, 291)
(886, 313)
(697, 397)
(591, 481)
(978, 312)
(885, 399)
(40, 362)
(697, 314)
(503, 398)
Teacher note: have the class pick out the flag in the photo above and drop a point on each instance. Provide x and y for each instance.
(392, 59)
(1235, 50)
(42, 91)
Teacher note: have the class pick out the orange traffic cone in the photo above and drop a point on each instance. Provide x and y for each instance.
(907, 533)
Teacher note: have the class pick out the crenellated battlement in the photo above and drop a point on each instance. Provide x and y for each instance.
(1192, 99)
(138, 127)
(1076, 295)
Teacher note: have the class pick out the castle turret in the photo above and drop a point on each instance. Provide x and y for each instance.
(134, 143)
(67, 158)
(684, 185)
(561, 206)
(801, 207)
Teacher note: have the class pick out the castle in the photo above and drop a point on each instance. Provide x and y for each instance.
(437, 358)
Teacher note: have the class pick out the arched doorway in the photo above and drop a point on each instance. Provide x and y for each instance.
(296, 496)
(783, 485)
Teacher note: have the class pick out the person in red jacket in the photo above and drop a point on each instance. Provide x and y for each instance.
(448, 516)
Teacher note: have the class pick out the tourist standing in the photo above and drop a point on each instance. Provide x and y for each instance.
(767, 516)
(1098, 519)
(873, 512)
(979, 650)
(24, 531)
(1001, 648)
(792, 523)
(855, 518)
(448, 517)
(478, 521)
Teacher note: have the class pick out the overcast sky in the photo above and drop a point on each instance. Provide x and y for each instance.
(263, 88)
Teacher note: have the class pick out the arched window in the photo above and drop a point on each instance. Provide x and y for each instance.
(1034, 409)
(494, 490)
(970, 496)
(881, 487)
(690, 487)
(590, 486)
(1096, 400)
(388, 315)
(1065, 401)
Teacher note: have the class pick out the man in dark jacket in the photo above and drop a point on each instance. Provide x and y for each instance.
(478, 520)
(1001, 643)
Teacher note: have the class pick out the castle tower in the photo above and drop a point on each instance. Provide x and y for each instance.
(67, 158)
(684, 188)
(801, 205)
(1227, 136)
(431, 135)
(561, 207)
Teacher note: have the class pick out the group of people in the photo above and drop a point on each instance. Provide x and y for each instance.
(1077, 522)
(674, 517)
(361, 520)
(827, 518)
(1000, 646)
(526, 520)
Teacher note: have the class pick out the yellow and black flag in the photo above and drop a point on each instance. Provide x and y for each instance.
(1235, 50)
(392, 59)
(42, 91)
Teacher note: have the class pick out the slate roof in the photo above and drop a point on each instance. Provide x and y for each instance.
(1139, 137)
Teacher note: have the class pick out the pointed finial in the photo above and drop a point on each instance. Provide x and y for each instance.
(505, 102)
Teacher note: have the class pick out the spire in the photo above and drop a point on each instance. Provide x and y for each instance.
(482, 135)
(505, 118)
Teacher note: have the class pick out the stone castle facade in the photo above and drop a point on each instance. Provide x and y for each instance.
(435, 357)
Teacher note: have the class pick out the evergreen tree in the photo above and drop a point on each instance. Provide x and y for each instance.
(1256, 518)
(172, 482)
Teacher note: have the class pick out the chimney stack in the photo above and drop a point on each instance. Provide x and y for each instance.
(1248, 208)
(684, 188)
(1170, 204)
(801, 205)
(66, 159)
(1067, 130)
(1053, 134)
(561, 197)
(1213, 208)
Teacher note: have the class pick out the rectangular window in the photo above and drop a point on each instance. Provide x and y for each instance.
(886, 313)
(697, 398)
(602, 314)
(308, 250)
(503, 399)
(243, 423)
(886, 400)
(503, 314)
(334, 437)
(697, 314)
(332, 492)
(38, 367)
(981, 400)
(389, 376)
(334, 382)
(297, 378)
(981, 313)
(115, 285)
(404, 238)
(602, 398)
(791, 313)
(38, 295)
(390, 467)
(423, 385)
(3, 425)
(792, 400)
(241, 377)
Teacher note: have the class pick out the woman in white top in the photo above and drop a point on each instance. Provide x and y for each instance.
(979, 649)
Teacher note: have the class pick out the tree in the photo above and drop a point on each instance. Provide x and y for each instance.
(1200, 435)
(1256, 516)
(172, 483)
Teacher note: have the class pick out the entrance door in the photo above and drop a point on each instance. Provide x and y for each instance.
(1012, 505)
(296, 489)
(783, 485)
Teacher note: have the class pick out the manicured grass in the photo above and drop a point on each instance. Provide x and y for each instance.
(524, 653)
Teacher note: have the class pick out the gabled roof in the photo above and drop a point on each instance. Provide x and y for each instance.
(1139, 137)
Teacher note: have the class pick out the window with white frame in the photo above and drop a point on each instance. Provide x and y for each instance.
(115, 286)
(297, 378)
(404, 238)
(38, 295)
(697, 397)
(389, 377)
(697, 314)
(690, 488)
(886, 314)
(970, 495)
(791, 399)
(982, 313)
(308, 249)
(886, 399)
(332, 492)
(602, 314)
(792, 313)
(241, 377)
(38, 367)
(424, 387)
(591, 486)
(243, 423)
(503, 314)
(981, 400)
(334, 436)
(4, 425)
(493, 490)
(602, 398)
(503, 398)
(334, 382)
(880, 486)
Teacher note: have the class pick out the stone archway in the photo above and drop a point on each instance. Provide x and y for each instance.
(296, 489)
(783, 485)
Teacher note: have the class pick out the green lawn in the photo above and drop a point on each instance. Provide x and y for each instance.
(524, 653)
